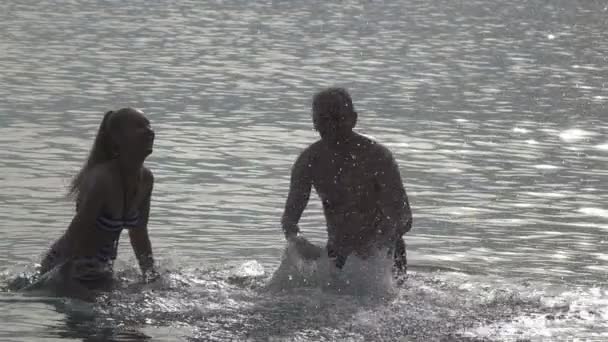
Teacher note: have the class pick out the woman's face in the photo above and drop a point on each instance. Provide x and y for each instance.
(136, 137)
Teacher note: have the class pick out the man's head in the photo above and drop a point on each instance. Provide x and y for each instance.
(333, 114)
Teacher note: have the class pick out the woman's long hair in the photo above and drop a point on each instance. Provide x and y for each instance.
(103, 150)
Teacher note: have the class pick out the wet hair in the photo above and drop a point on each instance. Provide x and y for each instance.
(104, 149)
(335, 102)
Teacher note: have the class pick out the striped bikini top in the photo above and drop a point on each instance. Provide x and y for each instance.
(116, 225)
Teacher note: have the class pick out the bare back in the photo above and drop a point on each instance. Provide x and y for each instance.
(359, 184)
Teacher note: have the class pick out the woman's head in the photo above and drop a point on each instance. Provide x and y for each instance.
(333, 113)
(125, 134)
(128, 133)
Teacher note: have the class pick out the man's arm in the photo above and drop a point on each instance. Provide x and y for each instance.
(393, 198)
(299, 193)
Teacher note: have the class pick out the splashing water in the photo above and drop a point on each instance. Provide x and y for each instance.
(304, 300)
(368, 278)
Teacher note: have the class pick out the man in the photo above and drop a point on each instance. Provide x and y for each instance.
(358, 181)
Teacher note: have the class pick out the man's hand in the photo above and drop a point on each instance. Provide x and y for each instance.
(150, 276)
(306, 249)
(291, 231)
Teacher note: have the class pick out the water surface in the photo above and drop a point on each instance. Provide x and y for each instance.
(496, 112)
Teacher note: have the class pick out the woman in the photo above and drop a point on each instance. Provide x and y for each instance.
(112, 193)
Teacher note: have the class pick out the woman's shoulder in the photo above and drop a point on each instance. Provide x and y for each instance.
(147, 178)
(147, 175)
(99, 175)
(95, 182)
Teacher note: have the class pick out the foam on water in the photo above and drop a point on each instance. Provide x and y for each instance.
(303, 300)
(573, 315)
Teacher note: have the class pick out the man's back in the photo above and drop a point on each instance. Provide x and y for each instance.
(349, 179)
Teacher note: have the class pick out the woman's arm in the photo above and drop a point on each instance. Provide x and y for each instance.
(140, 241)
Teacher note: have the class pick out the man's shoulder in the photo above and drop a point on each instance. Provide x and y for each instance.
(316, 146)
(375, 147)
(312, 150)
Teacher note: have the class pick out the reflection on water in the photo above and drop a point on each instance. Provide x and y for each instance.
(495, 110)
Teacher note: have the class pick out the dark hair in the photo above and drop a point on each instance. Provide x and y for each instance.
(333, 101)
(104, 149)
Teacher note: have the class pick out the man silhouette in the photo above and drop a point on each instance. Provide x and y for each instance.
(358, 181)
